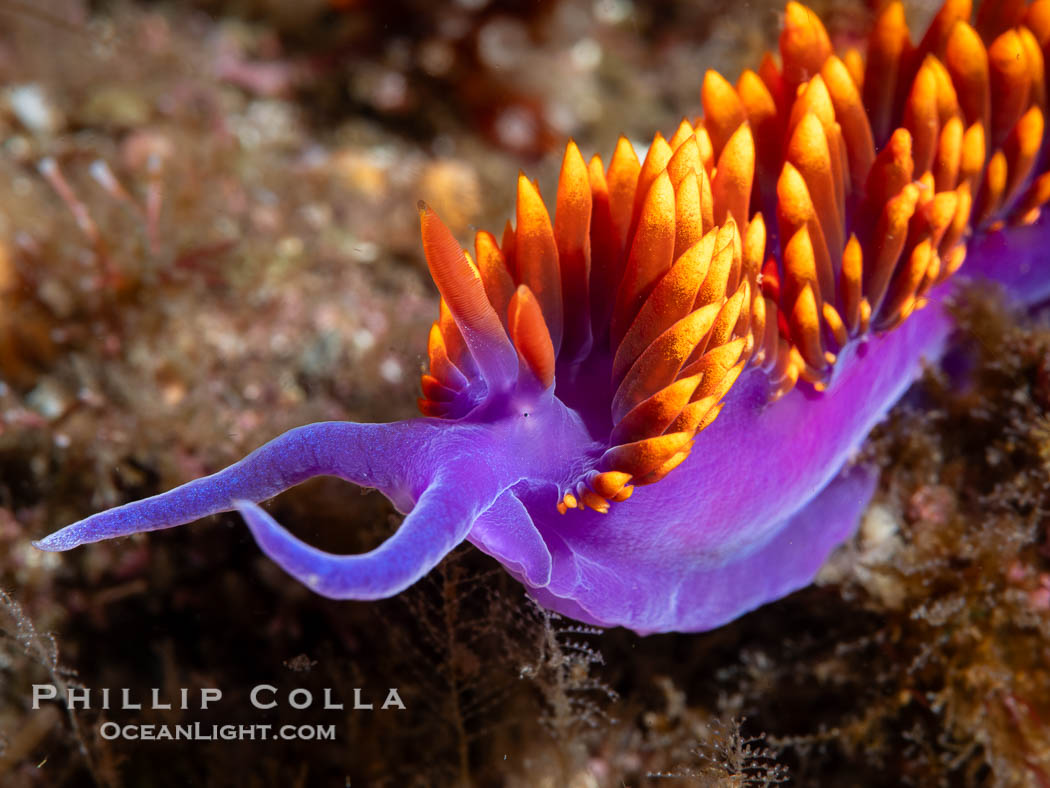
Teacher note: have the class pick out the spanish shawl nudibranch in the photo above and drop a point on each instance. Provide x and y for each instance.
(780, 263)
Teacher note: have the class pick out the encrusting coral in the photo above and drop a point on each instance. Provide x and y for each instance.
(780, 263)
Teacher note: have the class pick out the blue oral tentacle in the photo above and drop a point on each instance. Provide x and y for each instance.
(383, 456)
(440, 520)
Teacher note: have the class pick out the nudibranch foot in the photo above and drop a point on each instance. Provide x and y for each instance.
(1015, 258)
(507, 533)
(705, 598)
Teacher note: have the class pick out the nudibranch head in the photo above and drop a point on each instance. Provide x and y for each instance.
(644, 407)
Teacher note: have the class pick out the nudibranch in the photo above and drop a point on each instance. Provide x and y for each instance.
(646, 407)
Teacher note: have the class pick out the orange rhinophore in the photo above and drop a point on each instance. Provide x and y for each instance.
(818, 199)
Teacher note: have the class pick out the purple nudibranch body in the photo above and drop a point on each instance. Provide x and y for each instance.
(729, 531)
(746, 506)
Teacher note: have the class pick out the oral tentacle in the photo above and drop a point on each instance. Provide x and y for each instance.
(383, 456)
(440, 520)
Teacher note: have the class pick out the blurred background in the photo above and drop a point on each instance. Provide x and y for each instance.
(208, 235)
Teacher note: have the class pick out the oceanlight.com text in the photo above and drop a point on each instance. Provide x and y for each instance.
(210, 732)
